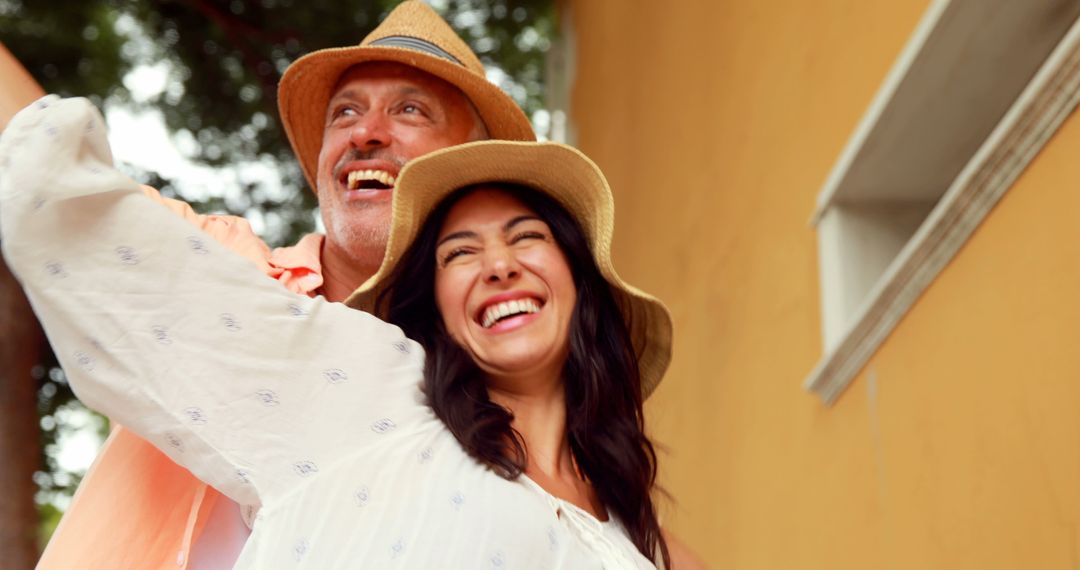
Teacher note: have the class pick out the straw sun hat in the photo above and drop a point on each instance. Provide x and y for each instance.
(557, 170)
(414, 35)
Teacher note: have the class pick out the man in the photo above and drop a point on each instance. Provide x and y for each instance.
(354, 116)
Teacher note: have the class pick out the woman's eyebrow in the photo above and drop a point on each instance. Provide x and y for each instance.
(466, 234)
(510, 225)
(457, 235)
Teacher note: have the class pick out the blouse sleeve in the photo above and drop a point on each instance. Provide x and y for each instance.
(251, 387)
(233, 231)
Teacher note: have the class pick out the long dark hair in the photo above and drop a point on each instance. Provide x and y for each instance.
(604, 419)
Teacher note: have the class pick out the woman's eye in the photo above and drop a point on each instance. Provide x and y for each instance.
(453, 254)
(527, 235)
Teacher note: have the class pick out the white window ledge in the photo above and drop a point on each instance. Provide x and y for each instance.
(1032, 118)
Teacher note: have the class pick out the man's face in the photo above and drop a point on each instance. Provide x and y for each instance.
(381, 115)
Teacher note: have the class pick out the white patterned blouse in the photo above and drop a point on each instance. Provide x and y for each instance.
(305, 412)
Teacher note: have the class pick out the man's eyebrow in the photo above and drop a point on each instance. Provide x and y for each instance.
(411, 90)
(457, 235)
(346, 94)
(404, 91)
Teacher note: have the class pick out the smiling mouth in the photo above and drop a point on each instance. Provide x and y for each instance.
(370, 180)
(500, 311)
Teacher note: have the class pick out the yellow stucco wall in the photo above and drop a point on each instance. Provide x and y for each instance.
(959, 445)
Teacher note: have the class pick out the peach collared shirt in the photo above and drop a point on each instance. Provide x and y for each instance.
(136, 509)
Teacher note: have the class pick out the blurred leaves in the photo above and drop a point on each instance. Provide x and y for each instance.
(223, 60)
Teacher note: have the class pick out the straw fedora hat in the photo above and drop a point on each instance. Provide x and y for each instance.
(561, 172)
(414, 35)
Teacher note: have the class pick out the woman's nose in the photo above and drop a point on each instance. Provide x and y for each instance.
(500, 266)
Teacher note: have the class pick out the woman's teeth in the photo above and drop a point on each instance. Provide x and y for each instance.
(499, 311)
(380, 176)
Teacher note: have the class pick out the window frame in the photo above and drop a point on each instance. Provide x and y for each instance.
(854, 329)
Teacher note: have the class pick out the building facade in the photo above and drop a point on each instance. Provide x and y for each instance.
(875, 323)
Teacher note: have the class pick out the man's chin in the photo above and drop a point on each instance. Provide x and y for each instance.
(368, 195)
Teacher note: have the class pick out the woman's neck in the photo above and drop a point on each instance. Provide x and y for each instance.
(540, 419)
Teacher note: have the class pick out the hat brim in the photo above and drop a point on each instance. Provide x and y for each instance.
(559, 171)
(307, 85)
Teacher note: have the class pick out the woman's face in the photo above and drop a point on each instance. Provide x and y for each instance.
(503, 286)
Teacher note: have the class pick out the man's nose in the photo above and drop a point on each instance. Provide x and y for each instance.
(500, 265)
(370, 131)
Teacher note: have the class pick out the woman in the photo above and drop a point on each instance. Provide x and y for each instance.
(515, 442)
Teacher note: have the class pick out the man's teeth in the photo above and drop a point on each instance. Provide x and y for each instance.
(380, 176)
(501, 310)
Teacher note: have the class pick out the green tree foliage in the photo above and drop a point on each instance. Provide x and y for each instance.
(224, 59)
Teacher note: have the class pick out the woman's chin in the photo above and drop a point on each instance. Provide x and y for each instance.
(517, 365)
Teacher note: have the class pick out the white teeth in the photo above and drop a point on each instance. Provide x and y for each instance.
(500, 310)
(381, 176)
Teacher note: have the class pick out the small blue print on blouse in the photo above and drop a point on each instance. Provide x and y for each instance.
(161, 335)
(425, 455)
(402, 347)
(397, 548)
(498, 560)
(457, 501)
(127, 255)
(335, 375)
(197, 245)
(382, 426)
(300, 549)
(174, 442)
(267, 397)
(55, 269)
(228, 320)
(296, 310)
(196, 416)
(305, 468)
(362, 496)
(553, 538)
(243, 476)
(85, 361)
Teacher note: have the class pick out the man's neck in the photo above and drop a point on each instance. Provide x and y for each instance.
(343, 273)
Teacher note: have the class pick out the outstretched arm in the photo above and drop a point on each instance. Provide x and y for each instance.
(249, 386)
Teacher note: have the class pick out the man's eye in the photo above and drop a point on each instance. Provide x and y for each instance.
(413, 109)
(344, 112)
